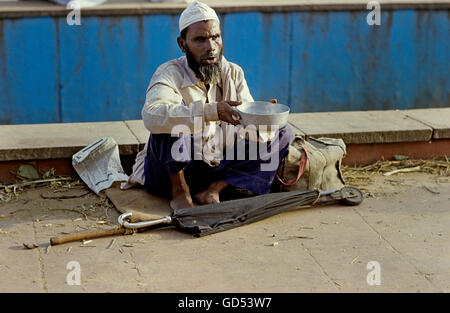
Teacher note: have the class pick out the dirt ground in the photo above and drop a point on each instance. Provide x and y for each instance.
(403, 225)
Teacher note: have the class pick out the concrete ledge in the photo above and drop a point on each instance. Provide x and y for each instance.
(115, 8)
(438, 119)
(369, 135)
(362, 127)
(139, 131)
(54, 141)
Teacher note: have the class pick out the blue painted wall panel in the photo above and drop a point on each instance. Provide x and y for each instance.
(98, 70)
(433, 59)
(28, 71)
(107, 63)
(312, 61)
(160, 34)
(336, 60)
(341, 63)
(259, 43)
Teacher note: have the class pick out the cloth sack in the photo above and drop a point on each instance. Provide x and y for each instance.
(312, 164)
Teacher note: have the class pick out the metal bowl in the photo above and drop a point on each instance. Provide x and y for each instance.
(261, 113)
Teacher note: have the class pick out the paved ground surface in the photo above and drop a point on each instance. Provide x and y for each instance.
(404, 226)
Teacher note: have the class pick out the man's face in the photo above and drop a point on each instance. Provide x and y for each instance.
(203, 41)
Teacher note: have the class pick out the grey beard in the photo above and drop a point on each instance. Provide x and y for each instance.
(208, 74)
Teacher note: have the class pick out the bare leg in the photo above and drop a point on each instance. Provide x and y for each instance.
(211, 194)
(181, 196)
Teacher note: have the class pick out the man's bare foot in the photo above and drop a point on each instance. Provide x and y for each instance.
(181, 196)
(211, 194)
(207, 197)
(181, 201)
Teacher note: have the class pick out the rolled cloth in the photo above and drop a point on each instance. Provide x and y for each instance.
(196, 12)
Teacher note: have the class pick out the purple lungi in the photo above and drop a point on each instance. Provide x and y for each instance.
(245, 174)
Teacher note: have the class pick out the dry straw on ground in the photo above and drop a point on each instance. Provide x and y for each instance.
(364, 175)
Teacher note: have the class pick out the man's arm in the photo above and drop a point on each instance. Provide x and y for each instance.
(164, 109)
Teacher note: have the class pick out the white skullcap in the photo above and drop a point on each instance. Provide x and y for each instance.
(196, 12)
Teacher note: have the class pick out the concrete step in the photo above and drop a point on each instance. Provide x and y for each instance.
(362, 126)
(53, 141)
(369, 135)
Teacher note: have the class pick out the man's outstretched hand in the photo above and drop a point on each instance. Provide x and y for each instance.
(227, 113)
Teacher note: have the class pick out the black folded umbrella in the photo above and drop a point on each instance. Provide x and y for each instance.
(212, 218)
(208, 219)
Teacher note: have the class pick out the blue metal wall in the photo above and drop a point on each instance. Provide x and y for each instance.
(312, 61)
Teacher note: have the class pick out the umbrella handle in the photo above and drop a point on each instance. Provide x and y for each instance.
(163, 220)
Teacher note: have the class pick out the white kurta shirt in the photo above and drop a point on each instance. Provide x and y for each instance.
(176, 97)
